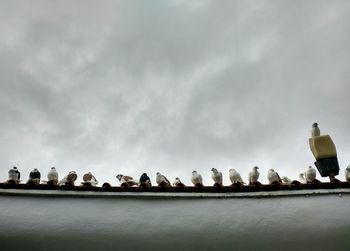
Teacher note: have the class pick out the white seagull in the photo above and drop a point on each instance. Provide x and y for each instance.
(310, 174)
(347, 173)
(286, 180)
(160, 178)
(315, 130)
(302, 178)
(253, 175)
(216, 176)
(273, 176)
(52, 175)
(196, 178)
(234, 176)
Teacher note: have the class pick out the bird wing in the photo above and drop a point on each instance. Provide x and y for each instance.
(200, 179)
(250, 177)
(278, 177)
(239, 178)
(166, 180)
(127, 178)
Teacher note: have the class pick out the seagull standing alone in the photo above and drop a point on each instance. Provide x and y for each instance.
(315, 130)
(347, 173)
(161, 179)
(234, 176)
(310, 174)
(216, 176)
(253, 175)
(273, 176)
(196, 178)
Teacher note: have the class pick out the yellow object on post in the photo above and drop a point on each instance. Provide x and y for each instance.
(322, 147)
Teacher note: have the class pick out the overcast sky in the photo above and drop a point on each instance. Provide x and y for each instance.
(171, 86)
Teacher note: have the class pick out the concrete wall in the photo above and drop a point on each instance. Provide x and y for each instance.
(283, 223)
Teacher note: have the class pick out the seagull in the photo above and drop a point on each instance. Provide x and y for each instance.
(302, 178)
(126, 179)
(52, 175)
(196, 178)
(235, 177)
(253, 175)
(347, 173)
(286, 180)
(161, 179)
(315, 131)
(14, 174)
(144, 179)
(71, 177)
(35, 176)
(310, 174)
(273, 176)
(89, 178)
(177, 182)
(216, 176)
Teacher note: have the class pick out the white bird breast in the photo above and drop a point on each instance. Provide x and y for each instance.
(196, 178)
(253, 176)
(272, 176)
(13, 176)
(217, 177)
(235, 176)
(310, 174)
(52, 175)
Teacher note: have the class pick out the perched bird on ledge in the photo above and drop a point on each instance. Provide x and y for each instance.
(162, 180)
(89, 178)
(52, 176)
(178, 183)
(196, 179)
(216, 176)
(315, 131)
(145, 180)
(253, 175)
(273, 176)
(70, 178)
(235, 177)
(124, 179)
(347, 173)
(286, 180)
(310, 174)
(302, 178)
(34, 176)
(14, 175)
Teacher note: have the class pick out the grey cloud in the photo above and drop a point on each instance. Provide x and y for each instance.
(171, 86)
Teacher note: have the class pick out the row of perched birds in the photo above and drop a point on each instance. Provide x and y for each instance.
(253, 177)
(52, 176)
(308, 176)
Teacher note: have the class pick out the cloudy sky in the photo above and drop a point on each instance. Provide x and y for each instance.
(172, 86)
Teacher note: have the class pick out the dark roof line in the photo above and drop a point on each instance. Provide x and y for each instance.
(106, 187)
